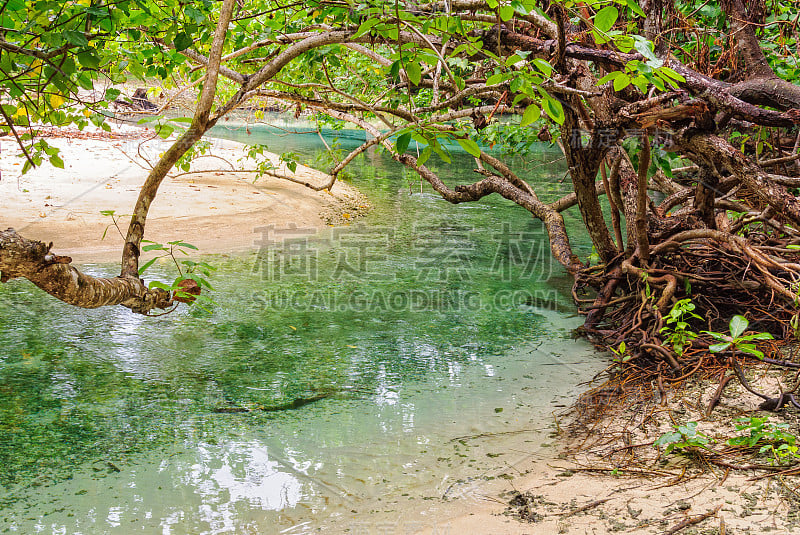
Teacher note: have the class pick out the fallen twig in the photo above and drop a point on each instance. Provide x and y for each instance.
(692, 520)
(586, 507)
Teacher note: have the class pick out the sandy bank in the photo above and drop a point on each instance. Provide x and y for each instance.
(219, 210)
(604, 476)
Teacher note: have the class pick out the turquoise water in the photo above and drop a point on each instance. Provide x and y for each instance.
(377, 368)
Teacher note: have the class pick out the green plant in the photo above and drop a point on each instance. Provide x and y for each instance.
(772, 439)
(794, 323)
(685, 436)
(735, 341)
(263, 164)
(621, 353)
(648, 292)
(676, 331)
(115, 219)
(188, 270)
(594, 258)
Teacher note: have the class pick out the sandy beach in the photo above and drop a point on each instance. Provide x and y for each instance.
(214, 207)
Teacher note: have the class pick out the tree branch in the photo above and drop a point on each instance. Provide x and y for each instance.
(32, 260)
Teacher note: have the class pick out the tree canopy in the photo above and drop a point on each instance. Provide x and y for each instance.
(678, 120)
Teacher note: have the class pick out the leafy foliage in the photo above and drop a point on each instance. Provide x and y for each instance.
(772, 439)
(199, 272)
(684, 437)
(736, 339)
(677, 330)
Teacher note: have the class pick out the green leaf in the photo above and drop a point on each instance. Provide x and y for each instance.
(672, 74)
(365, 27)
(55, 161)
(738, 325)
(153, 247)
(495, 78)
(183, 244)
(554, 109)
(506, 13)
(520, 97)
(75, 37)
(182, 41)
(543, 66)
(757, 336)
(164, 131)
(441, 152)
(605, 18)
(621, 82)
(470, 146)
(668, 438)
(751, 349)
(716, 348)
(85, 80)
(624, 43)
(403, 141)
(89, 60)
(532, 114)
(644, 47)
(608, 77)
(426, 153)
(634, 6)
(719, 336)
(15, 5)
(414, 72)
(147, 265)
(513, 60)
(194, 14)
(161, 285)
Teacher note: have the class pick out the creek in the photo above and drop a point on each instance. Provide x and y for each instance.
(342, 378)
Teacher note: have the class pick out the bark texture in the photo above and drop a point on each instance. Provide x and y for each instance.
(32, 260)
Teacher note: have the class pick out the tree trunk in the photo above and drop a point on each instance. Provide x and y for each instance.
(200, 125)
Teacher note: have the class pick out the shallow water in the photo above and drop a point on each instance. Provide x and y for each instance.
(385, 366)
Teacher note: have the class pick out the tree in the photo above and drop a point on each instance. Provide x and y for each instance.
(682, 114)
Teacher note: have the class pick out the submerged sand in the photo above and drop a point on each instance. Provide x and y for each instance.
(218, 206)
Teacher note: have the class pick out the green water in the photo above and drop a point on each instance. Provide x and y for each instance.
(413, 328)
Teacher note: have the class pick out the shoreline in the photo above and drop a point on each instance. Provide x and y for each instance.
(605, 476)
(216, 207)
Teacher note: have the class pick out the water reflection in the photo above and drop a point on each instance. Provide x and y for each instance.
(239, 472)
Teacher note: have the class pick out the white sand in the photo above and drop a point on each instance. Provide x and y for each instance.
(216, 211)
